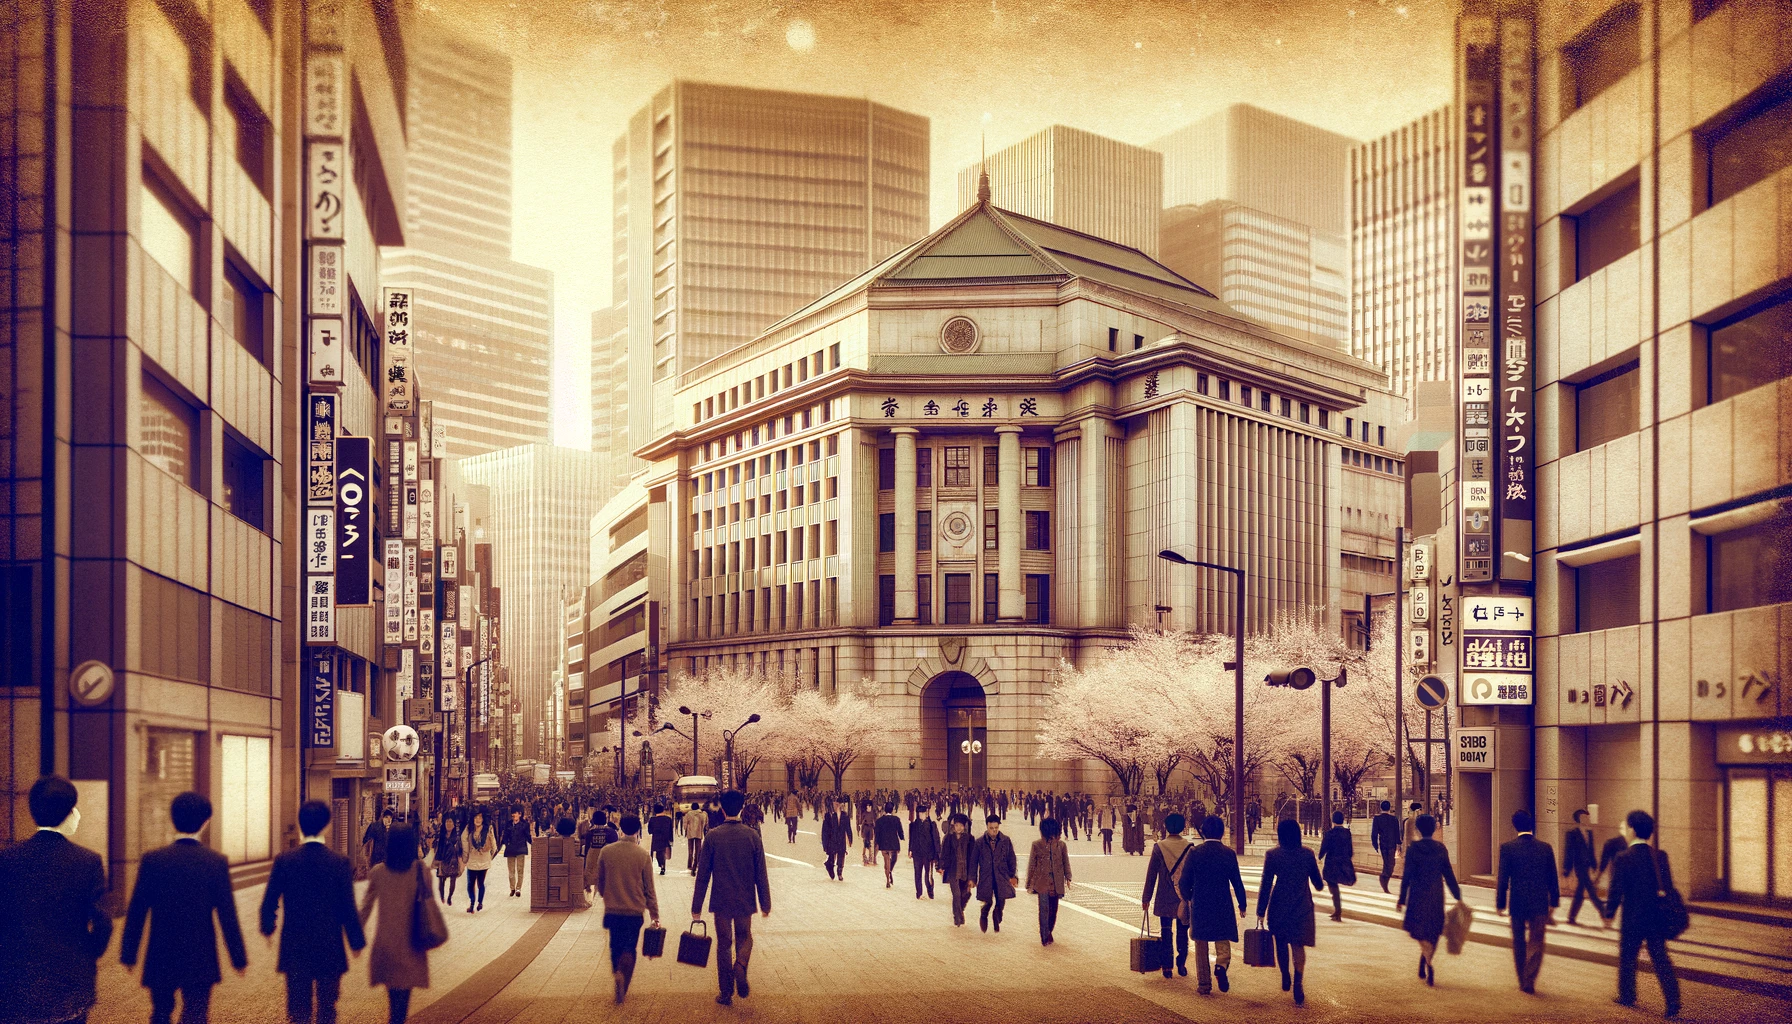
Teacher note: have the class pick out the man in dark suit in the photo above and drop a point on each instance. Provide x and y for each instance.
(889, 842)
(1384, 838)
(373, 840)
(924, 848)
(836, 839)
(318, 886)
(734, 858)
(1527, 880)
(659, 829)
(1578, 860)
(1639, 874)
(54, 928)
(179, 888)
(955, 864)
(994, 870)
(1210, 883)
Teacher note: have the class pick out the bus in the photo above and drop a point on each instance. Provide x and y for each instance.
(485, 787)
(694, 789)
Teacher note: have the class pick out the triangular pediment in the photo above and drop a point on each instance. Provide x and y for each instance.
(976, 245)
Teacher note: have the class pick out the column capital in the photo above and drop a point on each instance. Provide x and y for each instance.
(1009, 428)
(904, 431)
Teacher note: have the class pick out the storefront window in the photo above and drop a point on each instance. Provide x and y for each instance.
(1760, 833)
(169, 763)
(243, 809)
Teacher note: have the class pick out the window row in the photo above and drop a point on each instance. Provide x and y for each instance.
(784, 547)
(769, 383)
(957, 598)
(1378, 463)
(172, 439)
(955, 462)
(1263, 401)
(1742, 568)
(1036, 530)
(811, 605)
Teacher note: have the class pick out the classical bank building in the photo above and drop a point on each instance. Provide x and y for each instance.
(956, 471)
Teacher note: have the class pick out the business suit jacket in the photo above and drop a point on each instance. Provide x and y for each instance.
(1211, 883)
(992, 865)
(1048, 868)
(1282, 897)
(1338, 851)
(1528, 876)
(1577, 851)
(1384, 833)
(1422, 884)
(179, 888)
(889, 833)
(53, 929)
(955, 857)
(924, 839)
(1636, 878)
(318, 886)
(836, 832)
(1166, 864)
(659, 830)
(733, 857)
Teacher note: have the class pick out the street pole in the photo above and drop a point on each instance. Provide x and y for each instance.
(1237, 667)
(1427, 787)
(466, 694)
(1400, 653)
(1325, 755)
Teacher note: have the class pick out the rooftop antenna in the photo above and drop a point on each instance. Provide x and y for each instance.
(983, 175)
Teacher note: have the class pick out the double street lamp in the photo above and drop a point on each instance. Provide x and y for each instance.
(1237, 667)
(728, 750)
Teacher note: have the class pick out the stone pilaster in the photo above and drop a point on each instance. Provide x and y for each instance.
(906, 609)
(1011, 595)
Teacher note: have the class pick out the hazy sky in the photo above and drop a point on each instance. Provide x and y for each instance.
(1133, 71)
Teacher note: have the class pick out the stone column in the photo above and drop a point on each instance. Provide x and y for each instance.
(906, 609)
(1011, 594)
(1095, 597)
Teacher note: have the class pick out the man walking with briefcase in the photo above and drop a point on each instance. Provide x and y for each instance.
(1210, 883)
(734, 858)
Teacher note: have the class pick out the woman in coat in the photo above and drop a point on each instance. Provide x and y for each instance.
(867, 831)
(1422, 893)
(396, 886)
(448, 860)
(1283, 900)
(480, 844)
(1132, 832)
(1048, 875)
(1338, 852)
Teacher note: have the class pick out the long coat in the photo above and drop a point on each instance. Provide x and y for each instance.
(179, 887)
(956, 851)
(1422, 888)
(1282, 898)
(1338, 851)
(993, 864)
(924, 839)
(1211, 883)
(318, 886)
(54, 928)
(1161, 876)
(1132, 833)
(1048, 868)
(394, 962)
(836, 833)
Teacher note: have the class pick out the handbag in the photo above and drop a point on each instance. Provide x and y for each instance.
(653, 941)
(1672, 919)
(428, 928)
(1456, 926)
(1184, 912)
(693, 949)
(1147, 949)
(1259, 947)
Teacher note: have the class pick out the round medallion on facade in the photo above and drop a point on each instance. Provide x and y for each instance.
(960, 336)
(956, 527)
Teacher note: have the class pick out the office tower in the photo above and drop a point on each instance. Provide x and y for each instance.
(484, 331)
(734, 207)
(1078, 180)
(1403, 189)
(1257, 209)
(609, 399)
(542, 501)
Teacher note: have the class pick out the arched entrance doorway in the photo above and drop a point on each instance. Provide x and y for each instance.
(954, 716)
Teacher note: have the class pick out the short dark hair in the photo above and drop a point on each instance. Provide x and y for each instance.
(1415, 806)
(1386, 806)
(889, 807)
(1521, 821)
(401, 848)
(1337, 817)
(1580, 814)
(386, 812)
(659, 808)
(564, 826)
(52, 798)
(992, 820)
(733, 801)
(314, 817)
(1214, 827)
(1049, 828)
(631, 825)
(189, 812)
(1641, 823)
(1426, 825)
(1174, 823)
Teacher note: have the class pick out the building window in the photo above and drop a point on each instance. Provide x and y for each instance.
(1039, 467)
(1113, 339)
(1200, 383)
(1325, 419)
(886, 531)
(1751, 566)
(1607, 594)
(1263, 400)
(1607, 231)
(1381, 436)
(1600, 57)
(170, 436)
(1039, 600)
(245, 649)
(1138, 342)
(958, 598)
(1288, 407)
(1306, 413)
(246, 131)
(1244, 395)
(1749, 350)
(170, 761)
(1039, 531)
(924, 599)
(958, 467)
(1225, 391)
(886, 468)
(924, 530)
(992, 466)
(991, 531)
(1349, 426)
(991, 597)
(923, 468)
(167, 233)
(245, 482)
(886, 600)
(834, 356)
(174, 627)
(1605, 407)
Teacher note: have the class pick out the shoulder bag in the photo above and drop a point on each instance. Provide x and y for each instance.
(428, 929)
(1673, 919)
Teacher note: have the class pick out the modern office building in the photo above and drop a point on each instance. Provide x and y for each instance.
(956, 471)
(485, 331)
(1257, 209)
(1078, 180)
(542, 500)
(735, 207)
(1403, 230)
(609, 400)
(620, 605)
(1663, 408)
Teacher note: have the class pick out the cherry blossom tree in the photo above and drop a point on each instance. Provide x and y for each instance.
(833, 732)
(1095, 713)
(726, 696)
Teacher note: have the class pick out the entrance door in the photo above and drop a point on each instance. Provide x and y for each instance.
(967, 737)
(1759, 836)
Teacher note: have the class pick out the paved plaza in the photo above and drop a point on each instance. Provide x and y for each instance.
(855, 951)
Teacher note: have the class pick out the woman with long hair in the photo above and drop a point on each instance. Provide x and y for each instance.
(448, 859)
(1284, 901)
(395, 886)
(1422, 893)
(480, 844)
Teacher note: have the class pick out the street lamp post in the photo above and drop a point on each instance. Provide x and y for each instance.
(1237, 667)
(467, 712)
(1399, 596)
(695, 715)
(728, 747)
(1300, 679)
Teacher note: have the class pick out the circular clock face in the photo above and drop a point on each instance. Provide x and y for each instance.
(959, 336)
(956, 527)
(400, 743)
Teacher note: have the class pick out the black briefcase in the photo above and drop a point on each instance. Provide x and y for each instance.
(653, 941)
(1259, 948)
(1147, 950)
(693, 949)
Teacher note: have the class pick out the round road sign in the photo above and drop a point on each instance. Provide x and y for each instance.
(90, 684)
(1432, 692)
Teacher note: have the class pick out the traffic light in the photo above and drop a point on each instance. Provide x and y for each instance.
(1297, 678)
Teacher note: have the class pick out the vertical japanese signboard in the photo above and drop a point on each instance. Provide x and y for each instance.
(320, 451)
(354, 522)
(410, 593)
(397, 390)
(1476, 58)
(1517, 431)
(407, 673)
(320, 699)
(450, 562)
(393, 634)
(1498, 638)
(426, 513)
(324, 214)
(320, 609)
(320, 540)
(324, 354)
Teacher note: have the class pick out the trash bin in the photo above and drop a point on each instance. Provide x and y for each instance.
(552, 864)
